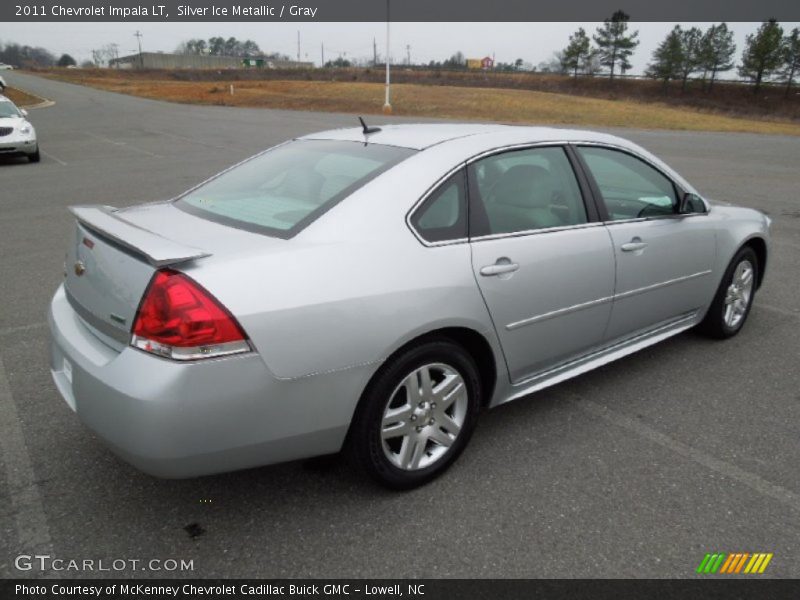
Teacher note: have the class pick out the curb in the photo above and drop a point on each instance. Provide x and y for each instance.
(45, 102)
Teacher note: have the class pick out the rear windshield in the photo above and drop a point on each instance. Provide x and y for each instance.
(281, 191)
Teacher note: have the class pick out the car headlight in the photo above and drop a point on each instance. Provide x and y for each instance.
(26, 128)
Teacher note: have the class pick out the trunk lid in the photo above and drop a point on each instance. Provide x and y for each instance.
(114, 253)
(109, 264)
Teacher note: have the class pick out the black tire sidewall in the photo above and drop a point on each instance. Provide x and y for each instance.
(716, 315)
(365, 435)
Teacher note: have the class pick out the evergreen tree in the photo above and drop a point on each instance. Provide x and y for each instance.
(717, 50)
(578, 52)
(66, 61)
(668, 58)
(791, 52)
(691, 43)
(614, 44)
(763, 53)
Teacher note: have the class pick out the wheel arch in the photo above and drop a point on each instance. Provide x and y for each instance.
(759, 246)
(475, 343)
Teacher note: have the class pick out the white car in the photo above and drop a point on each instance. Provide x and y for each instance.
(17, 135)
(5, 67)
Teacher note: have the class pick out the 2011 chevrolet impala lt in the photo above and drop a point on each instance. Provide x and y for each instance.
(374, 288)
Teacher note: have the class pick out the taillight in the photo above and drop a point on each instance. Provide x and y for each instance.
(178, 319)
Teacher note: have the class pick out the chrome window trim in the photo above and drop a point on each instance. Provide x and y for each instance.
(523, 146)
(430, 191)
(527, 232)
(676, 217)
(464, 165)
(513, 147)
(543, 230)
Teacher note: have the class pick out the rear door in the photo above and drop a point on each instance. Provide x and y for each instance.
(543, 262)
(664, 259)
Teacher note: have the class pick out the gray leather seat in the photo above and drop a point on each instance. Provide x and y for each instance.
(522, 200)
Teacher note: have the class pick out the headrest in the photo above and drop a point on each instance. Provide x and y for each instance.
(526, 186)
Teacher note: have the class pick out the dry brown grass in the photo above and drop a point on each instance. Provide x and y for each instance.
(467, 103)
(22, 98)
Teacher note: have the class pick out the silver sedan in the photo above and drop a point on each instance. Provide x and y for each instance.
(373, 289)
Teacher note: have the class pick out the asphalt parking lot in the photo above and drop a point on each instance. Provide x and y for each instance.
(634, 470)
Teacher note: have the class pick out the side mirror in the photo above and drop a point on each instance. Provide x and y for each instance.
(24, 112)
(690, 204)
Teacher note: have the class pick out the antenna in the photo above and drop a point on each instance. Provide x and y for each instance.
(367, 130)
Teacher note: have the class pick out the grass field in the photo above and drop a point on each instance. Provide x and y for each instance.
(466, 103)
(22, 98)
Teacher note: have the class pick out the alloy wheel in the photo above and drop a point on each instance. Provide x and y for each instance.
(424, 416)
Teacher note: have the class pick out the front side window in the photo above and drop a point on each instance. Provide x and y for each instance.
(443, 215)
(630, 187)
(524, 190)
(283, 190)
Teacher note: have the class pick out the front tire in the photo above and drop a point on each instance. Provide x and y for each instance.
(734, 298)
(35, 157)
(417, 415)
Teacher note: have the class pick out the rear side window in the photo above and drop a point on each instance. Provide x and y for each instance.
(524, 190)
(283, 190)
(630, 187)
(443, 215)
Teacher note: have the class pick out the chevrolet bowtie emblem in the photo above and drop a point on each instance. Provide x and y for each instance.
(80, 268)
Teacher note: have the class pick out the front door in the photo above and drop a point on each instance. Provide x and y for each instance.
(664, 259)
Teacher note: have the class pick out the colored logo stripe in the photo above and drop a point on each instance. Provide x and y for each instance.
(735, 562)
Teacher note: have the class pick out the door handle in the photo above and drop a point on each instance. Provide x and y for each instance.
(499, 268)
(634, 245)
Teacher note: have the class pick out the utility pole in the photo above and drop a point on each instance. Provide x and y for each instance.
(408, 54)
(298, 45)
(374, 53)
(387, 106)
(322, 48)
(138, 36)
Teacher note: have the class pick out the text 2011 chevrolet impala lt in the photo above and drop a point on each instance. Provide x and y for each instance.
(374, 289)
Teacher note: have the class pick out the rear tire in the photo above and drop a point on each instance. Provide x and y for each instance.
(35, 157)
(734, 298)
(417, 415)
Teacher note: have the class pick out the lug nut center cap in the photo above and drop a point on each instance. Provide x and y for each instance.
(423, 412)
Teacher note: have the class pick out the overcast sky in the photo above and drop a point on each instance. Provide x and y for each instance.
(533, 42)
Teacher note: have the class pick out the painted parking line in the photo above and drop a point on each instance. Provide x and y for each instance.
(30, 519)
(754, 482)
(122, 144)
(194, 141)
(53, 157)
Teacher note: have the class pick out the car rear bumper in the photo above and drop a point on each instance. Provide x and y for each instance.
(174, 419)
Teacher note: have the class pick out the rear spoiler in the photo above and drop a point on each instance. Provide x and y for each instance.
(159, 251)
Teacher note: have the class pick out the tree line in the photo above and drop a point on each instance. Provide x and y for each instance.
(20, 56)
(768, 54)
(219, 46)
